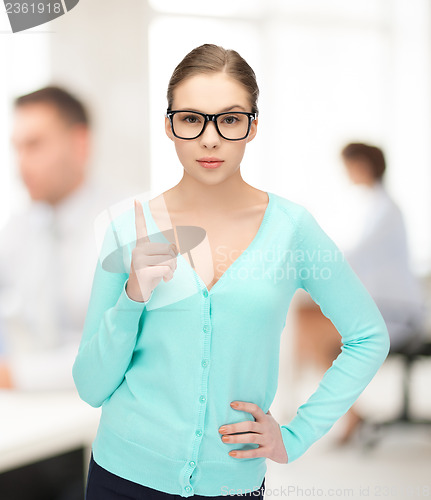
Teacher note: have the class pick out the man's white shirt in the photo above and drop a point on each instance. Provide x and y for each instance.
(48, 257)
(374, 240)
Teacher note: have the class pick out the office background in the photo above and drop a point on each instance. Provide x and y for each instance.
(329, 72)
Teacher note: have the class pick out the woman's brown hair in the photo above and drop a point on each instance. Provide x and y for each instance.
(211, 58)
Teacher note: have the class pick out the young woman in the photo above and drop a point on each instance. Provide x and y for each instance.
(181, 347)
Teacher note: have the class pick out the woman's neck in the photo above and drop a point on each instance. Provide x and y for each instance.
(191, 195)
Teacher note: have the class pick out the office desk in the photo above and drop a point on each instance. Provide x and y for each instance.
(38, 425)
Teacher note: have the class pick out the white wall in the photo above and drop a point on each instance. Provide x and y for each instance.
(100, 50)
(25, 66)
(329, 72)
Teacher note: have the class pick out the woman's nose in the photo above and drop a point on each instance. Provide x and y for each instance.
(210, 136)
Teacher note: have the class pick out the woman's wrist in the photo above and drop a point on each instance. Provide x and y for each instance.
(134, 292)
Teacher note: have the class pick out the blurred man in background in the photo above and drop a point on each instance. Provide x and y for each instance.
(374, 241)
(47, 249)
(379, 254)
(47, 259)
(378, 251)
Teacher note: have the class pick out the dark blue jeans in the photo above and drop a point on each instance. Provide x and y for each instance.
(103, 485)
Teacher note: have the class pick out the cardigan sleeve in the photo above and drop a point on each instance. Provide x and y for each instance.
(331, 282)
(109, 334)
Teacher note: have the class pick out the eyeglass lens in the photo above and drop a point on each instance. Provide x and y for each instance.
(189, 125)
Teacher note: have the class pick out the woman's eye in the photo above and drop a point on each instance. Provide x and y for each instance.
(191, 119)
(230, 120)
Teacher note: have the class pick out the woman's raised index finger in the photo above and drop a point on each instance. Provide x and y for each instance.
(141, 227)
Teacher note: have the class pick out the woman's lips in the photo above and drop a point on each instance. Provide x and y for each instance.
(210, 164)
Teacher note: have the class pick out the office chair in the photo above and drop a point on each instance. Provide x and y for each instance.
(417, 347)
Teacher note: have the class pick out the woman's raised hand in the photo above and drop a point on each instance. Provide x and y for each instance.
(151, 261)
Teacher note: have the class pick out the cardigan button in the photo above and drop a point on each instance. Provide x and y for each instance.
(205, 292)
(204, 363)
(202, 399)
(192, 464)
(206, 328)
(188, 488)
(198, 433)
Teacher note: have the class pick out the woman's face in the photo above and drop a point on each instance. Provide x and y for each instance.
(210, 93)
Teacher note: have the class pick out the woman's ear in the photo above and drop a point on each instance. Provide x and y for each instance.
(253, 130)
(168, 129)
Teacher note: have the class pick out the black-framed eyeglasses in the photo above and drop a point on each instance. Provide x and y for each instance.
(232, 125)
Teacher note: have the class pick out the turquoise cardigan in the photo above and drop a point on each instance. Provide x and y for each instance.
(166, 371)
